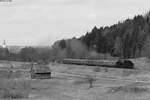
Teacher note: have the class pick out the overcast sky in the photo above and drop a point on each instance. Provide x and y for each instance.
(41, 22)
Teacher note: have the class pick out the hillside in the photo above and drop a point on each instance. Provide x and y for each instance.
(126, 39)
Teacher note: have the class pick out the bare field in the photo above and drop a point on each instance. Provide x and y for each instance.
(71, 82)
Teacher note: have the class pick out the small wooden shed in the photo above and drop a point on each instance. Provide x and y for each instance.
(40, 71)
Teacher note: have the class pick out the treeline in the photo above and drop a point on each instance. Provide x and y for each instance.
(27, 54)
(75, 49)
(71, 48)
(125, 39)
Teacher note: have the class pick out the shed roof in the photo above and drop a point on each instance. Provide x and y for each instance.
(41, 68)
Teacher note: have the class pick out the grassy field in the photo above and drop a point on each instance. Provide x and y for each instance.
(72, 82)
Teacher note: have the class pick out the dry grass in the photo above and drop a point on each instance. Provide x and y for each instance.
(128, 72)
(14, 89)
(80, 81)
(12, 84)
(7, 74)
(128, 89)
(141, 63)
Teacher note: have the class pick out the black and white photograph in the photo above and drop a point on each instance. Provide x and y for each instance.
(74, 50)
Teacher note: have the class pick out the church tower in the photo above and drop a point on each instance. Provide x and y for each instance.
(4, 44)
(4, 52)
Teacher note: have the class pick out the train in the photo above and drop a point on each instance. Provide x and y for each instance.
(121, 63)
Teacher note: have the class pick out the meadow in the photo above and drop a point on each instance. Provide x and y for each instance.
(72, 82)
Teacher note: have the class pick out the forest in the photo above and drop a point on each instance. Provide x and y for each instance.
(126, 39)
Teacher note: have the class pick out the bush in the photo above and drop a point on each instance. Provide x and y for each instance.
(97, 69)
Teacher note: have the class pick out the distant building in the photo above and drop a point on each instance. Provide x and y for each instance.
(4, 52)
(4, 44)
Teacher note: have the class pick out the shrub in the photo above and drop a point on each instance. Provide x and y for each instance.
(91, 80)
(97, 69)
